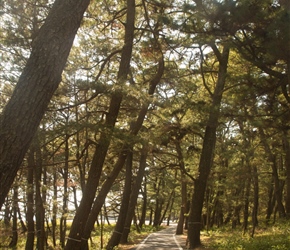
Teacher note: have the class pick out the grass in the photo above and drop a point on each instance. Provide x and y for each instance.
(95, 242)
(271, 237)
(275, 237)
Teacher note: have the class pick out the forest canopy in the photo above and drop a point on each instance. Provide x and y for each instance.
(142, 111)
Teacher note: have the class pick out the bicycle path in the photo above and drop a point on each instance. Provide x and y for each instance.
(164, 239)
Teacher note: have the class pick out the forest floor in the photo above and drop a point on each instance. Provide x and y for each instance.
(270, 237)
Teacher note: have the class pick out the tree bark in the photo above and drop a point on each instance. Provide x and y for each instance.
(36, 85)
(144, 205)
(80, 219)
(118, 231)
(256, 199)
(39, 202)
(100, 199)
(206, 159)
(180, 224)
(159, 201)
(62, 224)
(29, 212)
(14, 238)
(272, 159)
(287, 166)
(135, 192)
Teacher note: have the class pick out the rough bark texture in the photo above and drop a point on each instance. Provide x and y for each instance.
(37, 83)
(206, 159)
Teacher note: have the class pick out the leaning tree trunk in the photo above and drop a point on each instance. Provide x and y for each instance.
(80, 219)
(206, 159)
(118, 231)
(135, 192)
(36, 85)
(134, 129)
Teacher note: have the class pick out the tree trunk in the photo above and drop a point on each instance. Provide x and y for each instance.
(80, 219)
(23, 226)
(30, 202)
(180, 225)
(118, 231)
(170, 209)
(256, 199)
(159, 201)
(62, 224)
(271, 201)
(36, 85)
(167, 208)
(7, 212)
(206, 159)
(144, 205)
(277, 188)
(287, 165)
(54, 209)
(14, 238)
(247, 202)
(100, 199)
(39, 207)
(134, 195)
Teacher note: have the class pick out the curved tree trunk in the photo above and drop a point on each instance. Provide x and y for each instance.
(206, 159)
(36, 85)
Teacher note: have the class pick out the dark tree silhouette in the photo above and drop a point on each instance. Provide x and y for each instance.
(37, 83)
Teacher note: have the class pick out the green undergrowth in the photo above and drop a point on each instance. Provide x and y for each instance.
(98, 240)
(271, 237)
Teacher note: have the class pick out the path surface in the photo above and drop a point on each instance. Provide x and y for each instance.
(164, 239)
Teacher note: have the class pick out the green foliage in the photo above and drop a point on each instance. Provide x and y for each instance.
(268, 238)
(182, 33)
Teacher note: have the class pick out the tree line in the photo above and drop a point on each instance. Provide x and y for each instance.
(143, 110)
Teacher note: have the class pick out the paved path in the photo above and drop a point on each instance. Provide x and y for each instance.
(164, 239)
